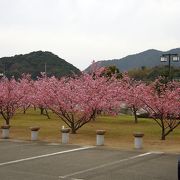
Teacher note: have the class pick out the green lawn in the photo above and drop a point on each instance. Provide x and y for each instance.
(119, 131)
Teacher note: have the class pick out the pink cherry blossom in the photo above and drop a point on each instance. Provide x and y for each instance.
(162, 101)
(11, 96)
(76, 100)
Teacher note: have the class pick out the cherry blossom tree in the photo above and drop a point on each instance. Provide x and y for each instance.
(76, 100)
(162, 101)
(11, 96)
(26, 87)
(130, 94)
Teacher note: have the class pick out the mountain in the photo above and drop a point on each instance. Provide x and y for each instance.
(36, 62)
(149, 58)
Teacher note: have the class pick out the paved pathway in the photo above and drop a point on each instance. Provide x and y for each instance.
(42, 161)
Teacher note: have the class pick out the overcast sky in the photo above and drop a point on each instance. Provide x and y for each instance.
(80, 31)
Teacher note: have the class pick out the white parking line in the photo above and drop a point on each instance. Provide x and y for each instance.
(108, 164)
(45, 155)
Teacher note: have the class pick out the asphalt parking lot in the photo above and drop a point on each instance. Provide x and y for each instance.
(43, 161)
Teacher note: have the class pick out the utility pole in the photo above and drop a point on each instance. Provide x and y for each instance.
(45, 70)
(4, 69)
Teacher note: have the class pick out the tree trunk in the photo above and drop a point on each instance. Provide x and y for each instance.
(42, 110)
(73, 129)
(135, 115)
(163, 136)
(47, 114)
(7, 121)
(24, 110)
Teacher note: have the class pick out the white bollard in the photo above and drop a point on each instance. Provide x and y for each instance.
(65, 135)
(5, 131)
(100, 137)
(34, 133)
(138, 140)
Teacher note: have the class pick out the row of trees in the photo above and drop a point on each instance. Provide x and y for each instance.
(150, 74)
(78, 100)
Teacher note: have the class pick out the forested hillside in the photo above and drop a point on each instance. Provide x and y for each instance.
(36, 62)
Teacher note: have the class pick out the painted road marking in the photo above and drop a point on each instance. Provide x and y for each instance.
(108, 164)
(45, 155)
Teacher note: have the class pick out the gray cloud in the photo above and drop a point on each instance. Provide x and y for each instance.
(83, 30)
